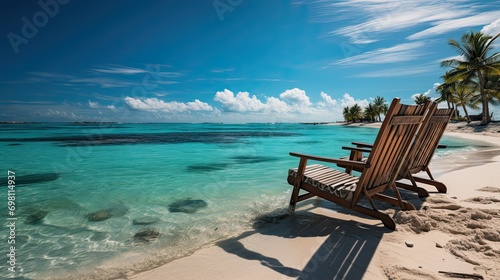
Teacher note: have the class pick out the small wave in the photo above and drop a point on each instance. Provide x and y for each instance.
(449, 151)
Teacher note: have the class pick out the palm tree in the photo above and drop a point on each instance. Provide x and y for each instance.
(346, 114)
(464, 96)
(380, 106)
(445, 91)
(421, 99)
(356, 112)
(370, 112)
(492, 88)
(474, 48)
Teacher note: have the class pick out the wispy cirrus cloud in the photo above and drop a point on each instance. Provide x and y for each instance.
(442, 27)
(398, 53)
(26, 102)
(104, 82)
(274, 80)
(122, 70)
(388, 16)
(49, 75)
(412, 70)
(154, 70)
(222, 70)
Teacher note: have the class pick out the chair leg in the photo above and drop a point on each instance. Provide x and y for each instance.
(403, 204)
(294, 198)
(429, 173)
(439, 186)
(386, 219)
(420, 191)
(296, 186)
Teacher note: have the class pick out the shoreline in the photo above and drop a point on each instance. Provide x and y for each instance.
(322, 239)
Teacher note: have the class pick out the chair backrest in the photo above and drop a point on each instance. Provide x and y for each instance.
(427, 141)
(392, 145)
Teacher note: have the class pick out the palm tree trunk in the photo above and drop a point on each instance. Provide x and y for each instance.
(486, 110)
(466, 113)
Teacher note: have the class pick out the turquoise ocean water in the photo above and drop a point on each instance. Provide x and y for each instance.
(194, 184)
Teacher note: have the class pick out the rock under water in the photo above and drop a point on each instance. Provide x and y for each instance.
(100, 215)
(33, 178)
(36, 217)
(207, 167)
(244, 159)
(188, 205)
(104, 214)
(146, 235)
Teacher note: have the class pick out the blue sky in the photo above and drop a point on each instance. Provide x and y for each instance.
(223, 60)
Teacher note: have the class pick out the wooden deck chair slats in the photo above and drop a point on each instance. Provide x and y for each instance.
(378, 173)
(388, 153)
(430, 139)
(420, 155)
(422, 151)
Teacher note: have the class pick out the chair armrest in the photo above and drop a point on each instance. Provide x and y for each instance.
(363, 145)
(358, 164)
(357, 149)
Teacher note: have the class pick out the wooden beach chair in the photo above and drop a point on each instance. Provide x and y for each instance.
(378, 172)
(420, 155)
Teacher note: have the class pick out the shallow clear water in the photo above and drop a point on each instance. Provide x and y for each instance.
(198, 183)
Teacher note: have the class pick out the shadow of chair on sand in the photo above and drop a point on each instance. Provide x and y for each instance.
(345, 253)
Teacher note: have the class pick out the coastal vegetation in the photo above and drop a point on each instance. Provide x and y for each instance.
(421, 99)
(473, 79)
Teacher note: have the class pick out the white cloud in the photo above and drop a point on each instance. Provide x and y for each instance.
(455, 24)
(156, 105)
(93, 105)
(96, 105)
(276, 105)
(493, 29)
(242, 102)
(397, 53)
(294, 105)
(328, 101)
(296, 97)
(348, 100)
(290, 101)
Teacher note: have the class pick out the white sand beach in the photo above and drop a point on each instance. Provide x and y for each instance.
(456, 232)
